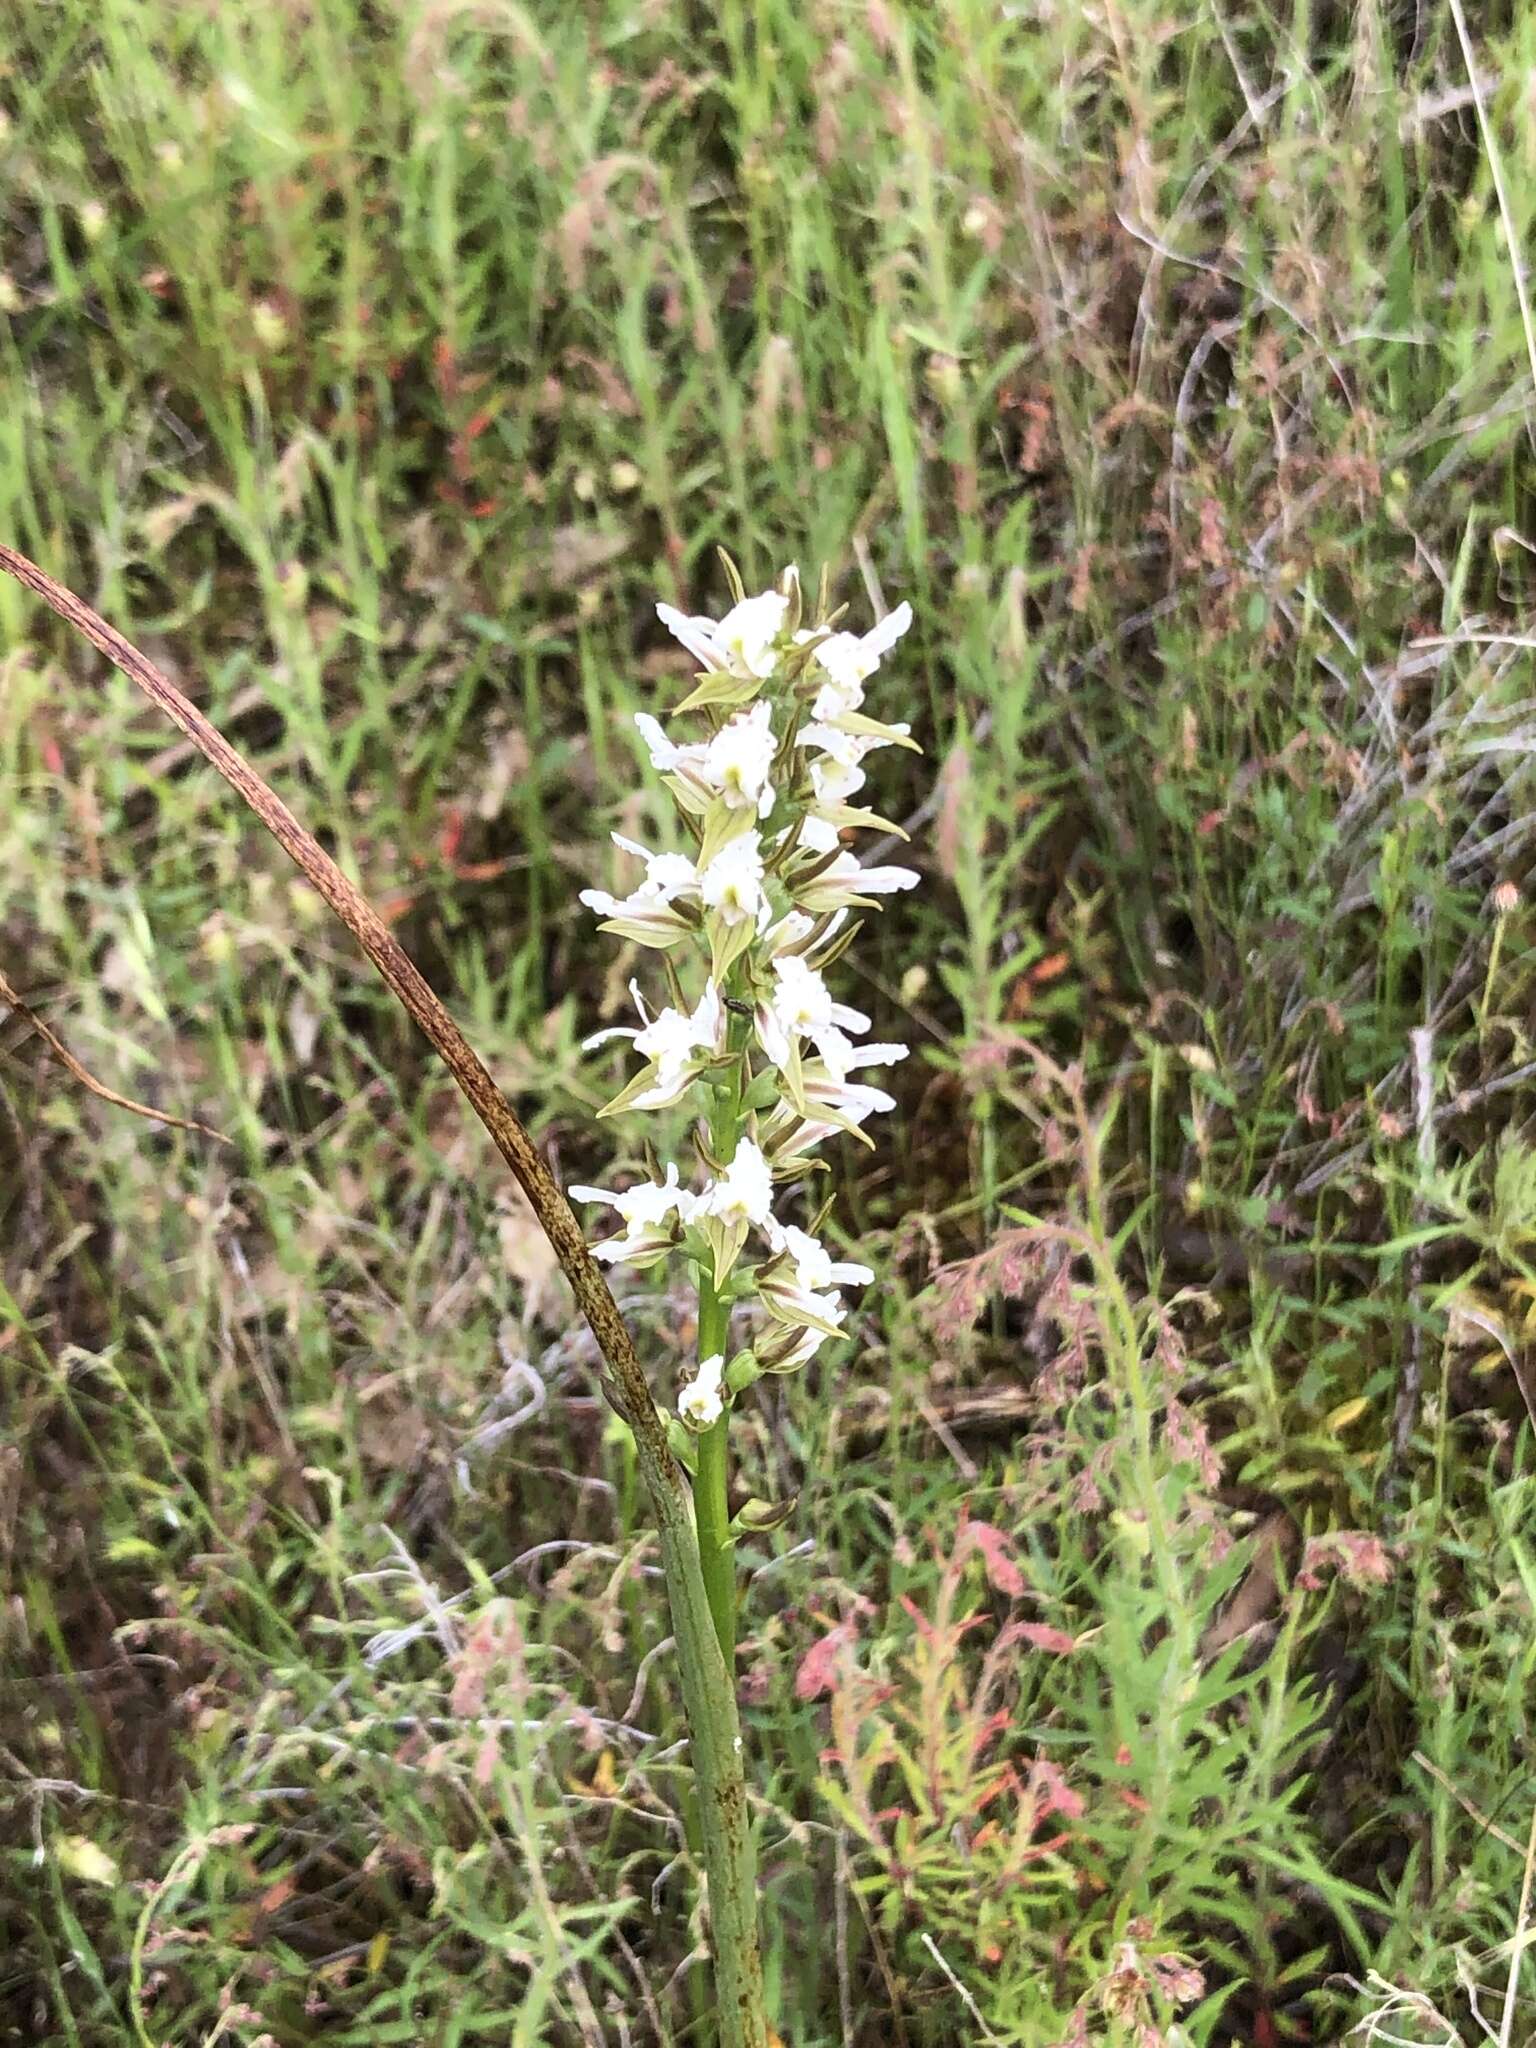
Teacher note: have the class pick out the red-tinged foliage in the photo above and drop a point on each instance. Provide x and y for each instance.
(1016, 1262)
(1190, 1441)
(930, 1632)
(450, 834)
(928, 1770)
(1041, 1636)
(992, 1546)
(1360, 1559)
(1049, 1789)
(818, 1667)
(493, 1649)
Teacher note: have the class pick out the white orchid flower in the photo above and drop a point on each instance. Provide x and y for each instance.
(854, 1101)
(835, 1107)
(732, 884)
(646, 921)
(737, 760)
(646, 1211)
(701, 1403)
(667, 875)
(819, 835)
(677, 1044)
(747, 632)
(791, 932)
(788, 1348)
(729, 1207)
(812, 1264)
(801, 1006)
(834, 781)
(802, 1307)
(847, 749)
(733, 767)
(648, 914)
(797, 1284)
(843, 881)
(743, 642)
(744, 1192)
(667, 758)
(836, 771)
(850, 659)
(802, 1135)
(673, 1043)
(841, 1057)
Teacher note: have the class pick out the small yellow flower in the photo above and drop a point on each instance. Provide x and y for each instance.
(78, 1856)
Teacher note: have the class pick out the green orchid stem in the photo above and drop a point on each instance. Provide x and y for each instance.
(712, 1715)
(712, 1476)
(711, 1485)
(715, 1748)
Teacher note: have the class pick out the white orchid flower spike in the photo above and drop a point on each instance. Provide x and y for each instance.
(754, 1036)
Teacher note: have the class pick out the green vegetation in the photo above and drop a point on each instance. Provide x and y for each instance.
(1152, 1648)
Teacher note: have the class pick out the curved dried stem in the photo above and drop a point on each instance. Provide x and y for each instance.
(87, 1079)
(405, 980)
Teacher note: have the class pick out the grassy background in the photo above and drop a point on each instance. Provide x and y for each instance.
(376, 367)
